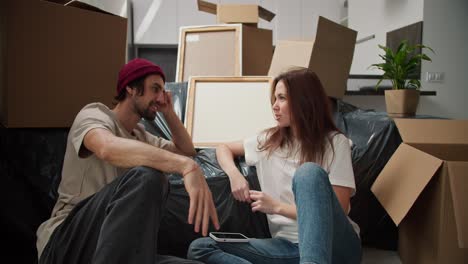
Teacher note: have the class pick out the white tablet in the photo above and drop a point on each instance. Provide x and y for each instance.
(228, 237)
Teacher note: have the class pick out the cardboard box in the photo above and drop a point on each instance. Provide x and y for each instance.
(423, 189)
(55, 59)
(223, 50)
(330, 56)
(236, 13)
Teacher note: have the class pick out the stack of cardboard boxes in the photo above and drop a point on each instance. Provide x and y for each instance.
(73, 53)
(237, 47)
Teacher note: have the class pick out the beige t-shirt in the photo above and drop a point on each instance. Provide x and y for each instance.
(275, 174)
(84, 176)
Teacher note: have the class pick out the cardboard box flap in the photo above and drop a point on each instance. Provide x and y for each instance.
(450, 152)
(212, 8)
(403, 179)
(458, 178)
(332, 56)
(265, 14)
(206, 7)
(290, 54)
(62, 2)
(433, 131)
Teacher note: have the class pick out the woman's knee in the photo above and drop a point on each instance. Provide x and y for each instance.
(309, 172)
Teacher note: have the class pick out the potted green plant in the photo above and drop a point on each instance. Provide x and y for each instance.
(402, 100)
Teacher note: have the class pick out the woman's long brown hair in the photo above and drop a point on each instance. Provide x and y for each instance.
(311, 117)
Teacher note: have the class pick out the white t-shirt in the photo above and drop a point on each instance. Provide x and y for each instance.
(275, 174)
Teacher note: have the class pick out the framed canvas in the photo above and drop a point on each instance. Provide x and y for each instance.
(209, 50)
(224, 109)
(223, 50)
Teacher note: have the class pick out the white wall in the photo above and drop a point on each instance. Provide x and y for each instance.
(377, 17)
(444, 30)
(158, 21)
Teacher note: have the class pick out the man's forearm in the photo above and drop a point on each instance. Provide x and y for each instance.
(180, 137)
(127, 153)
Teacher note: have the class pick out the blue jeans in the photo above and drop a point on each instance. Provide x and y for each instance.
(325, 233)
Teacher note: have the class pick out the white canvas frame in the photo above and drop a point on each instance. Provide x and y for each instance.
(224, 109)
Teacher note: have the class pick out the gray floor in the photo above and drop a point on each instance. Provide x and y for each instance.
(374, 256)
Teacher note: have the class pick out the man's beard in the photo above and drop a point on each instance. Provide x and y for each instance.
(146, 113)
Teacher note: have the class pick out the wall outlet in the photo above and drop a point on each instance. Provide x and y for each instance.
(435, 77)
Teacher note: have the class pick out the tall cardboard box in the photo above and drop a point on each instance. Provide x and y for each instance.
(423, 189)
(330, 56)
(236, 13)
(55, 59)
(223, 50)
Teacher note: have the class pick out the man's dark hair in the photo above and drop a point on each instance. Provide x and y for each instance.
(138, 84)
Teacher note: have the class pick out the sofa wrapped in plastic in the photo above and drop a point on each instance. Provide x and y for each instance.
(375, 138)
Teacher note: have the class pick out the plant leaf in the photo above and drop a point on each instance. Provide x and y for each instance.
(378, 83)
(398, 65)
(413, 83)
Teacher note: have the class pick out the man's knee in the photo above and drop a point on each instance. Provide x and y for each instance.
(198, 246)
(153, 180)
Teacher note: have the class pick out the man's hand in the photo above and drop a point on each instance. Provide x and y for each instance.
(240, 188)
(264, 203)
(167, 104)
(202, 208)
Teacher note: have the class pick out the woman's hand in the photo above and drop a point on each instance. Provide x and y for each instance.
(264, 203)
(240, 188)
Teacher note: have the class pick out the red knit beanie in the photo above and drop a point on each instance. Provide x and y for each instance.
(135, 69)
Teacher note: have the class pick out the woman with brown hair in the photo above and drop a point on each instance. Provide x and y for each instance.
(305, 172)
